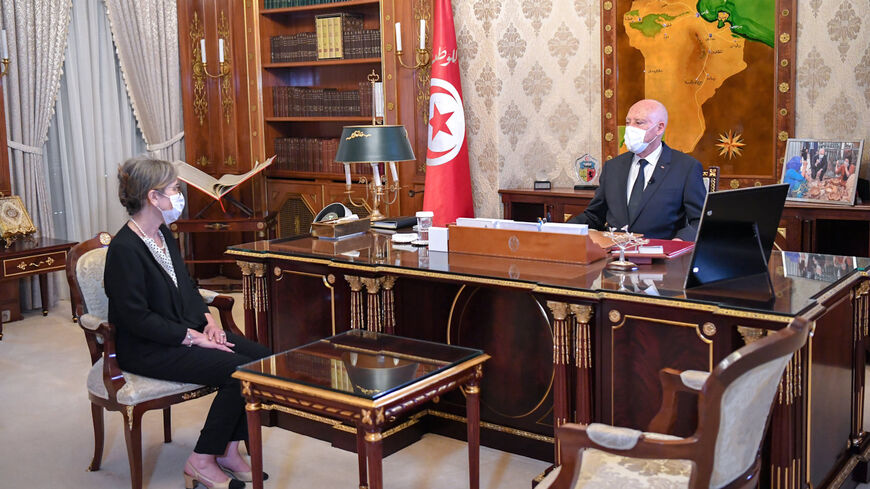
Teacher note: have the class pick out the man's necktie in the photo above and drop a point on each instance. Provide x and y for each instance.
(636, 192)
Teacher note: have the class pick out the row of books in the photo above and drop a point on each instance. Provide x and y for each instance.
(311, 155)
(322, 102)
(304, 46)
(295, 3)
(330, 29)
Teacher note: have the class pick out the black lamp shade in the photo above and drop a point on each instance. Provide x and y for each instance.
(369, 144)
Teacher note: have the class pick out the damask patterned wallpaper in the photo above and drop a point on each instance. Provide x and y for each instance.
(531, 84)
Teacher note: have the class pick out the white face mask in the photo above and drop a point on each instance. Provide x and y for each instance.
(634, 139)
(173, 214)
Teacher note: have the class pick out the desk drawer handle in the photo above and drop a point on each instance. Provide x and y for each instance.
(217, 226)
(48, 261)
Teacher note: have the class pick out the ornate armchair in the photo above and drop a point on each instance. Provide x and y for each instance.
(108, 386)
(734, 404)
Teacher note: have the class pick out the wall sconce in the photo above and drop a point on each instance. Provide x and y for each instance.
(202, 67)
(422, 56)
(4, 52)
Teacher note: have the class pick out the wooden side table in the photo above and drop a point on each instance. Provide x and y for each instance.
(29, 257)
(365, 378)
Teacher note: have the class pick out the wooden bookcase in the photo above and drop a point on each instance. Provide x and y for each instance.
(314, 188)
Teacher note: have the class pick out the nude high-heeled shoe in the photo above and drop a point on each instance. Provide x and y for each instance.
(242, 476)
(190, 480)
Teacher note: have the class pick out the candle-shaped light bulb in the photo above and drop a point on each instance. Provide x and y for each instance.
(422, 34)
(393, 171)
(221, 50)
(398, 37)
(347, 174)
(377, 174)
(4, 49)
(202, 49)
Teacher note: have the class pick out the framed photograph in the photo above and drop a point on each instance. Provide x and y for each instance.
(14, 220)
(822, 170)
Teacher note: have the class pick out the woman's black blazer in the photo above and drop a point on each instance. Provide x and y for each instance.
(147, 309)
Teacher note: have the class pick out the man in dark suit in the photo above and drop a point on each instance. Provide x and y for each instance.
(819, 164)
(653, 189)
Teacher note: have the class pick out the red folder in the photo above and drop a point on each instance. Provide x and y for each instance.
(670, 249)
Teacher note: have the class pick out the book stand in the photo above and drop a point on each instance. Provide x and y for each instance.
(247, 211)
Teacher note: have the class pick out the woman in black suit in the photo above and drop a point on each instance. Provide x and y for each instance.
(164, 328)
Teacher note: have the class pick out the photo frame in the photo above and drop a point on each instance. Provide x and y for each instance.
(15, 222)
(823, 171)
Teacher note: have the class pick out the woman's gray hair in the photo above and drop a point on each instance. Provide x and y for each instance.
(139, 175)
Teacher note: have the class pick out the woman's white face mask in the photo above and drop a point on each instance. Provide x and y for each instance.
(173, 214)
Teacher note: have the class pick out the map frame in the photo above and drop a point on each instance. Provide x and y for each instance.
(781, 119)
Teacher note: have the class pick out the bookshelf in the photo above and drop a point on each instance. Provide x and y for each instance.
(297, 96)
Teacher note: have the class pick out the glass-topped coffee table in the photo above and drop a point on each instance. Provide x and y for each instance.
(365, 378)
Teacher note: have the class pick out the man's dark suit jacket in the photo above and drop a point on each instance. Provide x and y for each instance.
(671, 204)
(148, 310)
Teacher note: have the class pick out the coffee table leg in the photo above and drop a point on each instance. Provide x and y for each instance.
(255, 443)
(361, 456)
(373, 455)
(472, 411)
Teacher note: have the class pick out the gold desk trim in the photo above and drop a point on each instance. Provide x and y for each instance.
(494, 427)
(531, 287)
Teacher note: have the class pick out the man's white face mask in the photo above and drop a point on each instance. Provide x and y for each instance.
(634, 139)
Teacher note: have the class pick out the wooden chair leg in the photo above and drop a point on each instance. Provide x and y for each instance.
(97, 416)
(167, 425)
(133, 436)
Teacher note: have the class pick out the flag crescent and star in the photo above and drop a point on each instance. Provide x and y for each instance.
(448, 178)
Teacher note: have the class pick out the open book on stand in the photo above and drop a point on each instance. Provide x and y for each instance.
(215, 187)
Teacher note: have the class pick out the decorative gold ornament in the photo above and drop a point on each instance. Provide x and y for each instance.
(734, 183)
(608, 5)
(784, 63)
(608, 93)
(782, 136)
(783, 112)
(608, 137)
(784, 87)
(731, 144)
(785, 12)
(609, 115)
(709, 329)
(608, 49)
(614, 316)
(608, 71)
(784, 37)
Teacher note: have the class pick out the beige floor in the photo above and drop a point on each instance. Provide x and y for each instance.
(46, 438)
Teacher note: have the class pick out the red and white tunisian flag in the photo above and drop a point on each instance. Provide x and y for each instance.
(448, 180)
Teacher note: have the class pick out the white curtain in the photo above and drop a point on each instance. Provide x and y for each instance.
(146, 35)
(36, 34)
(93, 130)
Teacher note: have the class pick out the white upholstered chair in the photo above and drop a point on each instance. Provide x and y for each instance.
(108, 386)
(734, 405)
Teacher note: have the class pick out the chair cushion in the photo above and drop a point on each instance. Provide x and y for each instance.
(603, 470)
(694, 379)
(138, 388)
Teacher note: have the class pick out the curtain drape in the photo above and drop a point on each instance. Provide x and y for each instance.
(92, 132)
(36, 35)
(146, 36)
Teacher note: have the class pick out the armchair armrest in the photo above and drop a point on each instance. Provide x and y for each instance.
(674, 381)
(100, 335)
(573, 438)
(224, 305)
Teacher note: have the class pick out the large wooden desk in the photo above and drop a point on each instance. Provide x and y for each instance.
(805, 226)
(28, 257)
(576, 343)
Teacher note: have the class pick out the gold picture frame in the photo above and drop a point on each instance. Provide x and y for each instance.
(15, 222)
